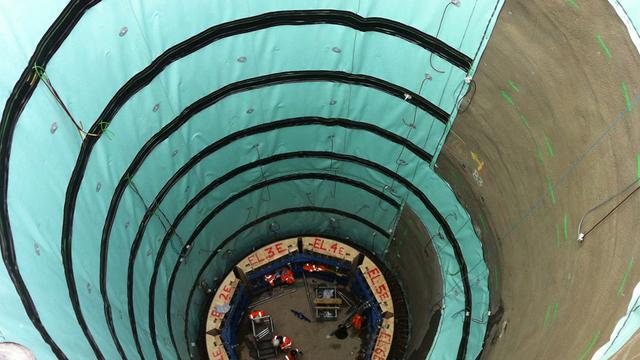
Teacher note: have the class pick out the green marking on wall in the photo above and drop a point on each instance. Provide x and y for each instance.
(574, 3)
(513, 86)
(552, 311)
(552, 192)
(507, 97)
(524, 120)
(539, 154)
(625, 278)
(627, 98)
(546, 317)
(549, 147)
(483, 224)
(604, 47)
(566, 226)
(589, 348)
(557, 235)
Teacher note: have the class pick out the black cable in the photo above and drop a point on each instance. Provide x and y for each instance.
(470, 90)
(444, 12)
(612, 210)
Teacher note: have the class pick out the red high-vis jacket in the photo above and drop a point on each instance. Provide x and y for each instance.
(287, 276)
(270, 279)
(257, 314)
(313, 267)
(282, 342)
(356, 321)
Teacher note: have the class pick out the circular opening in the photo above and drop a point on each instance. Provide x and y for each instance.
(314, 295)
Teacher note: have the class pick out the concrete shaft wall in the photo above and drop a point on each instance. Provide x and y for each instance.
(549, 135)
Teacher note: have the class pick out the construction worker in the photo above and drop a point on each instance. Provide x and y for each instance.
(308, 267)
(293, 354)
(271, 279)
(257, 314)
(281, 342)
(286, 276)
(356, 321)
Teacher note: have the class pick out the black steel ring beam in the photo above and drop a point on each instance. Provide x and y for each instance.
(430, 207)
(20, 95)
(256, 222)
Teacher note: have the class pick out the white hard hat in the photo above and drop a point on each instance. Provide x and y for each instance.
(275, 341)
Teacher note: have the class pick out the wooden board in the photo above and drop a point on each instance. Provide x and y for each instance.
(215, 349)
(383, 342)
(327, 301)
(268, 254)
(329, 247)
(378, 284)
(223, 297)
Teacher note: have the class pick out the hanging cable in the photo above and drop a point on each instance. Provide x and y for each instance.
(162, 217)
(582, 235)
(47, 82)
(444, 12)
(470, 90)
(411, 126)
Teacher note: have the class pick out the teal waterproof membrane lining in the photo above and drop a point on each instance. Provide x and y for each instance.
(108, 231)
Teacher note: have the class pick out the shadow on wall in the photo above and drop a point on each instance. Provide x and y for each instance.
(415, 264)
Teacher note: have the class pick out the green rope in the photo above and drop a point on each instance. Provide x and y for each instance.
(42, 74)
(104, 128)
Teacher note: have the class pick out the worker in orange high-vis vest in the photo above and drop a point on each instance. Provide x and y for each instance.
(286, 276)
(282, 342)
(356, 321)
(257, 314)
(308, 267)
(271, 279)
